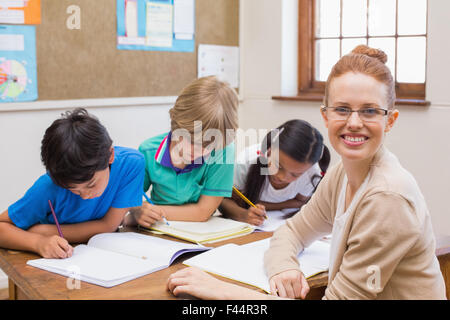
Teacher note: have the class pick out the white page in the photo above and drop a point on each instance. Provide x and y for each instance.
(214, 225)
(275, 219)
(12, 3)
(97, 266)
(142, 246)
(246, 263)
(220, 61)
(131, 21)
(184, 36)
(159, 24)
(183, 17)
(12, 42)
(113, 258)
(12, 16)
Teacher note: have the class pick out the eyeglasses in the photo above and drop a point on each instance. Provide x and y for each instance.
(368, 114)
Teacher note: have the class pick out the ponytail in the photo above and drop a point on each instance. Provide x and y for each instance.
(323, 163)
(255, 180)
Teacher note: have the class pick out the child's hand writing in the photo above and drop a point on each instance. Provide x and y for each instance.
(148, 214)
(256, 215)
(54, 247)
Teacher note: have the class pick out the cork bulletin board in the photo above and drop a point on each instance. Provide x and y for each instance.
(85, 63)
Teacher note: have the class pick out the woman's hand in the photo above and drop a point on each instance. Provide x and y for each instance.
(195, 282)
(289, 284)
(148, 214)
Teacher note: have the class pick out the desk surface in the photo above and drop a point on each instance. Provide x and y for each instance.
(34, 283)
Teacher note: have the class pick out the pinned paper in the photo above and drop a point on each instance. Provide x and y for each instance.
(20, 11)
(159, 24)
(183, 19)
(131, 20)
(220, 61)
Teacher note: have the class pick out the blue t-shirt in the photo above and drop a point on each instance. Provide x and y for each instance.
(124, 190)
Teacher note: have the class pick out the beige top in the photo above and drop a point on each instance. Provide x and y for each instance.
(387, 247)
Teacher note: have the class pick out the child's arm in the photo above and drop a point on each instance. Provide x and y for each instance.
(200, 211)
(82, 232)
(230, 209)
(12, 237)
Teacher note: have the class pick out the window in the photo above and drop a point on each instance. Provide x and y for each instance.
(329, 29)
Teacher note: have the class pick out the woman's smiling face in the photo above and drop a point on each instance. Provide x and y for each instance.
(355, 139)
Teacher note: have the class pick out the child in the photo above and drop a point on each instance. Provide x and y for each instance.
(90, 185)
(298, 163)
(382, 244)
(190, 174)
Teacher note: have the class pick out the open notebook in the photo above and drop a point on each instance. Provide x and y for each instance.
(275, 219)
(215, 229)
(245, 263)
(110, 259)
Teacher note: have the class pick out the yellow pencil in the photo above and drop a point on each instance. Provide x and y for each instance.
(245, 199)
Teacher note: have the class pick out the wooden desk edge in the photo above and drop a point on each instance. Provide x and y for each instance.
(20, 287)
(13, 274)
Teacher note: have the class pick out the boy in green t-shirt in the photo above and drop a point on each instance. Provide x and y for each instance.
(190, 168)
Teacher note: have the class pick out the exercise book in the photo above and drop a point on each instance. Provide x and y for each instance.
(109, 259)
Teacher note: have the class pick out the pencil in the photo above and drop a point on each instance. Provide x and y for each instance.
(246, 200)
(151, 202)
(56, 220)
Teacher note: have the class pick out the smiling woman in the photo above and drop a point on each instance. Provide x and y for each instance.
(382, 244)
(371, 204)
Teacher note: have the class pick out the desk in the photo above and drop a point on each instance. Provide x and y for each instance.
(26, 282)
(443, 254)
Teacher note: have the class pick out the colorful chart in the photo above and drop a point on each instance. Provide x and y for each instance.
(13, 79)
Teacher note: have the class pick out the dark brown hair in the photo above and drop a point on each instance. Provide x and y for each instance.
(75, 147)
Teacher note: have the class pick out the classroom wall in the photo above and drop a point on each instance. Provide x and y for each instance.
(420, 136)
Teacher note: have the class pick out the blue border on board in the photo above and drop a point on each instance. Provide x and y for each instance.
(177, 45)
(28, 55)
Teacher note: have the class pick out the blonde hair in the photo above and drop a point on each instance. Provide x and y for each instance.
(206, 101)
(368, 61)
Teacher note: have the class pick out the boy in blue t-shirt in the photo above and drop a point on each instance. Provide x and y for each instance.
(90, 184)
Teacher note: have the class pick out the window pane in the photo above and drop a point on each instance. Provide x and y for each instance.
(388, 46)
(382, 17)
(327, 54)
(349, 44)
(354, 18)
(411, 59)
(328, 18)
(412, 16)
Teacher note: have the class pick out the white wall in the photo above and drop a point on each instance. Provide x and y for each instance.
(421, 136)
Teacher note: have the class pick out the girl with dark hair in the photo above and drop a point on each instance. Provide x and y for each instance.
(280, 174)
